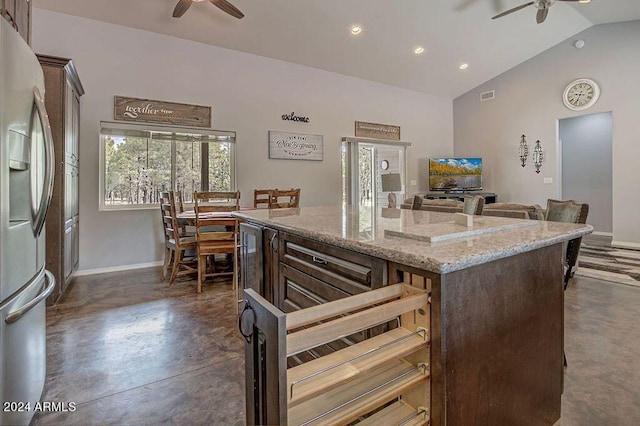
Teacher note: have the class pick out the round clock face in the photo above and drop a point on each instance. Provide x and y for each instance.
(384, 164)
(581, 94)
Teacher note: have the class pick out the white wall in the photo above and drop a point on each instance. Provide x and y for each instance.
(529, 101)
(248, 94)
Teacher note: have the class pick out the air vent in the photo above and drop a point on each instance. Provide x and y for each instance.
(487, 96)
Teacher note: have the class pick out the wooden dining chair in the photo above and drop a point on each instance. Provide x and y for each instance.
(216, 234)
(261, 198)
(179, 249)
(284, 198)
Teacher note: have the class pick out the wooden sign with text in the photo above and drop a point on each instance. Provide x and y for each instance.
(378, 131)
(295, 146)
(161, 112)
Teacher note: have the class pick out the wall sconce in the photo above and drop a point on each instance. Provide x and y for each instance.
(538, 156)
(523, 151)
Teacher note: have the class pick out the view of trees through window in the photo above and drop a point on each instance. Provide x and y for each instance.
(138, 168)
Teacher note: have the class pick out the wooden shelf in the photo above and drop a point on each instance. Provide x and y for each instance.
(300, 390)
(397, 413)
(346, 385)
(358, 396)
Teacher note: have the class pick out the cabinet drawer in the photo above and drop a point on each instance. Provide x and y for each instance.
(299, 290)
(344, 269)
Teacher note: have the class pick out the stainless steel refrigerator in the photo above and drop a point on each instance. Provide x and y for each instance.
(26, 182)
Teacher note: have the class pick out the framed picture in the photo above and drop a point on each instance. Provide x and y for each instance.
(295, 146)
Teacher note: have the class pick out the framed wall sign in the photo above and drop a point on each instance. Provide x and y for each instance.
(295, 146)
(161, 112)
(378, 131)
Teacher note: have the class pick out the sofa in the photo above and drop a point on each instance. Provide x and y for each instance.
(513, 210)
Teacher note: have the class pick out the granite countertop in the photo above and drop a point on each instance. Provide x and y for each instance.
(404, 236)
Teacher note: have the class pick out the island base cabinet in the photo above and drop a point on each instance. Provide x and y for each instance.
(497, 340)
(385, 379)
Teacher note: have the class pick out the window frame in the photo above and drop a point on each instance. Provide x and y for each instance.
(108, 128)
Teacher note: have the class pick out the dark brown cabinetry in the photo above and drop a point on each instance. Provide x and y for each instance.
(312, 273)
(18, 13)
(62, 99)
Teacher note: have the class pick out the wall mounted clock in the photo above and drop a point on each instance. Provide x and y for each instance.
(581, 94)
(384, 164)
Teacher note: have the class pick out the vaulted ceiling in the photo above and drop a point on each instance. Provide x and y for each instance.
(316, 33)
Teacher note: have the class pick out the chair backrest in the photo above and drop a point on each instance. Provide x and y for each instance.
(473, 205)
(261, 198)
(216, 234)
(284, 198)
(209, 201)
(169, 220)
(179, 202)
(568, 211)
(417, 202)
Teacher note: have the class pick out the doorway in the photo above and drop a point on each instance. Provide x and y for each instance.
(586, 166)
(371, 171)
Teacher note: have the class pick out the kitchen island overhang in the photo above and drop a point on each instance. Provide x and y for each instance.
(496, 301)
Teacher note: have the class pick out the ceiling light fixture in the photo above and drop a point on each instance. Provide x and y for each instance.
(355, 30)
(463, 66)
(584, 1)
(418, 50)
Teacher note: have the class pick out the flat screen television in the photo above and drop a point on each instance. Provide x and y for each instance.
(455, 174)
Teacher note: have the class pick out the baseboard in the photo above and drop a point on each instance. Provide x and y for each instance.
(83, 272)
(625, 244)
(604, 234)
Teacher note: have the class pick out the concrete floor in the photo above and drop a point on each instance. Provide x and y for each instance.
(129, 350)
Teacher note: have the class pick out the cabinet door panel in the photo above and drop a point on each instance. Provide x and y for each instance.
(23, 18)
(69, 132)
(67, 254)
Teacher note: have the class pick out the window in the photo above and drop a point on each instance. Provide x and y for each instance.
(139, 162)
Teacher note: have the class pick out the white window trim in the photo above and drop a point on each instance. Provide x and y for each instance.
(151, 128)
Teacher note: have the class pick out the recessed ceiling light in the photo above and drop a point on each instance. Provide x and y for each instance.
(355, 30)
(463, 66)
(584, 1)
(418, 50)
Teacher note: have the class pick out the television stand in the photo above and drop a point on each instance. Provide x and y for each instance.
(489, 197)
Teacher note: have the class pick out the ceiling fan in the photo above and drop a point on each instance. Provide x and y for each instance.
(224, 5)
(542, 6)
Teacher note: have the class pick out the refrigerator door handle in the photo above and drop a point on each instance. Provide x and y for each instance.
(18, 313)
(41, 214)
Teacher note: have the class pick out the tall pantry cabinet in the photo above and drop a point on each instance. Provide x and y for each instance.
(18, 13)
(62, 99)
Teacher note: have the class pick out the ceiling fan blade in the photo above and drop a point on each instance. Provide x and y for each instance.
(228, 7)
(541, 15)
(181, 8)
(515, 9)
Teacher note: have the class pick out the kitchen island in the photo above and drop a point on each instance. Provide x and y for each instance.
(492, 322)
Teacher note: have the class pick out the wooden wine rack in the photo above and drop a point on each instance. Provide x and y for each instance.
(384, 379)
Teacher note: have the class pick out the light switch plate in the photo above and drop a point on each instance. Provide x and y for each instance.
(548, 180)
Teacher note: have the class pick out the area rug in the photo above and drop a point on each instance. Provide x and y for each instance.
(610, 264)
